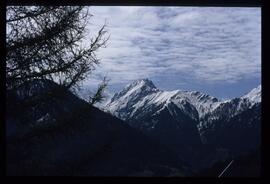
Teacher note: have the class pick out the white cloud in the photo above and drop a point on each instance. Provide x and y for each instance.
(204, 44)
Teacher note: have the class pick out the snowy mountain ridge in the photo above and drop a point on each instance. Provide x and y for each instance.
(231, 108)
(254, 95)
(142, 95)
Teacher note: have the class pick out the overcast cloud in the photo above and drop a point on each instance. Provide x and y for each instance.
(200, 48)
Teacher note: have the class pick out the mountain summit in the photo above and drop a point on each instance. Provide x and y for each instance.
(141, 83)
(139, 87)
(143, 94)
(254, 95)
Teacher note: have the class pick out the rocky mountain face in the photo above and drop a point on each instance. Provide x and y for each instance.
(197, 126)
(50, 131)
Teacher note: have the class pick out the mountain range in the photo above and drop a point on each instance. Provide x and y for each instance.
(197, 126)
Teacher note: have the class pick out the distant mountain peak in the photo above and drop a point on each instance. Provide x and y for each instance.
(139, 87)
(141, 83)
(254, 95)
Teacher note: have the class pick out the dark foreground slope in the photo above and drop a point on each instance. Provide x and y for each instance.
(52, 132)
(246, 165)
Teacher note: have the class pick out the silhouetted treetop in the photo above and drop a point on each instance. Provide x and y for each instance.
(47, 43)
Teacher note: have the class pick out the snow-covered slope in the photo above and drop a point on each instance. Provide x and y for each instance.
(254, 96)
(233, 107)
(142, 95)
(131, 95)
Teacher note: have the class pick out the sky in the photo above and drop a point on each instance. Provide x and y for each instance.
(215, 50)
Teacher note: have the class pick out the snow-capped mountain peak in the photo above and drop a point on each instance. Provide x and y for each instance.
(141, 83)
(130, 95)
(254, 96)
(143, 94)
(137, 88)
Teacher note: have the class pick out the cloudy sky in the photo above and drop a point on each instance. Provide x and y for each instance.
(208, 49)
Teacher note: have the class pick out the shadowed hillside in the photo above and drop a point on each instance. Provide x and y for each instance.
(52, 132)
